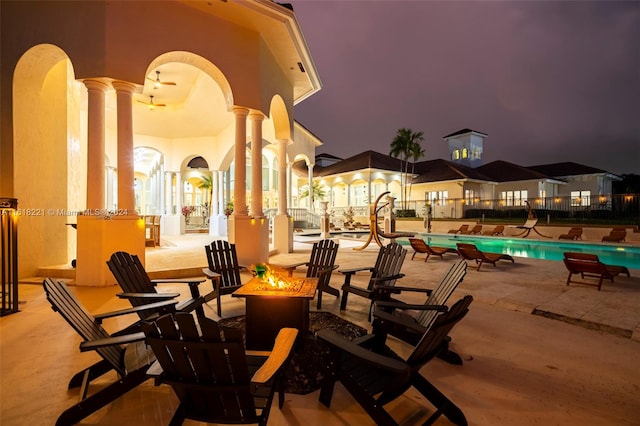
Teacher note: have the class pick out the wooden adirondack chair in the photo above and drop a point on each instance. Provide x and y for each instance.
(384, 273)
(126, 354)
(223, 270)
(214, 378)
(140, 290)
(375, 375)
(320, 265)
(396, 317)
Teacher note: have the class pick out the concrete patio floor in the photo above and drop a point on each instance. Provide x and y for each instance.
(577, 367)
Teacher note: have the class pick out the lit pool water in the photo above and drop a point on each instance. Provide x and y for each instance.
(614, 254)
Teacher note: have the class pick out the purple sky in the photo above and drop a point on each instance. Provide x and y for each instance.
(547, 81)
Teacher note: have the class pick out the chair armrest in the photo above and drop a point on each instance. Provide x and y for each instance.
(402, 305)
(135, 309)
(155, 370)
(389, 278)
(210, 274)
(381, 361)
(111, 341)
(190, 281)
(292, 266)
(354, 270)
(149, 296)
(399, 289)
(279, 354)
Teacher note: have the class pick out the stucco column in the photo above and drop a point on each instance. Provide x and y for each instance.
(310, 167)
(215, 200)
(95, 143)
(168, 204)
(290, 184)
(282, 177)
(240, 175)
(126, 194)
(178, 200)
(221, 205)
(256, 163)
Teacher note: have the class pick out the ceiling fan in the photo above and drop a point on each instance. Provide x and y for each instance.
(157, 83)
(151, 104)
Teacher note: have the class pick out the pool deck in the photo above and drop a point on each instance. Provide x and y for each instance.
(535, 350)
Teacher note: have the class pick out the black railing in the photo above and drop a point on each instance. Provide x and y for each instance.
(9, 249)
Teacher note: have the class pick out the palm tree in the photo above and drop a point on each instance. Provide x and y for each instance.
(405, 145)
(317, 193)
(417, 152)
(206, 182)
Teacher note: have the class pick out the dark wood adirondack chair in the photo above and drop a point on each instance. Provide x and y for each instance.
(395, 317)
(126, 354)
(223, 270)
(320, 265)
(375, 375)
(140, 290)
(384, 273)
(214, 378)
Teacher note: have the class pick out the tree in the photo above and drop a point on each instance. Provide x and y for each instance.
(406, 145)
(317, 193)
(206, 182)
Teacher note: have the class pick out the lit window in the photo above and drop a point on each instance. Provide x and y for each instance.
(580, 198)
(465, 153)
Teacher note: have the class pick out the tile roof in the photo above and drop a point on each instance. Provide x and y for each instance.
(462, 132)
(566, 169)
(364, 160)
(503, 171)
(443, 170)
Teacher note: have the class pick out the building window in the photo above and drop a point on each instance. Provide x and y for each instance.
(469, 196)
(437, 198)
(514, 198)
(455, 155)
(580, 198)
(465, 153)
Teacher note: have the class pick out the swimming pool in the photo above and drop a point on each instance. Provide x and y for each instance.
(614, 254)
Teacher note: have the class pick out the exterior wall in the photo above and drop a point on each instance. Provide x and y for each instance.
(65, 42)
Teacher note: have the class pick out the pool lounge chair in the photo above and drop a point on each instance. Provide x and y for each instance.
(476, 230)
(498, 230)
(420, 246)
(589, 265)
(617, 235)
(471, 252)
(573, 234)
(461, 230)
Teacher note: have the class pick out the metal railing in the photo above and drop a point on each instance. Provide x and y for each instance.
(9, 250)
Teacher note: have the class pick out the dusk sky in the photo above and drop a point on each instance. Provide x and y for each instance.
(547, 81)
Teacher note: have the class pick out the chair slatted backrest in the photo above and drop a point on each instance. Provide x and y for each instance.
(68, 306)
(443, 291)
(208, 372)
(389, 262)
(434, 337)
(131, 277)
(323, 257)
(222, 259)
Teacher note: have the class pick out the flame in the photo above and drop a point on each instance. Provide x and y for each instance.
(277, 280)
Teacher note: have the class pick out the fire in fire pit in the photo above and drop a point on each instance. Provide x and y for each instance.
(273, 279)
